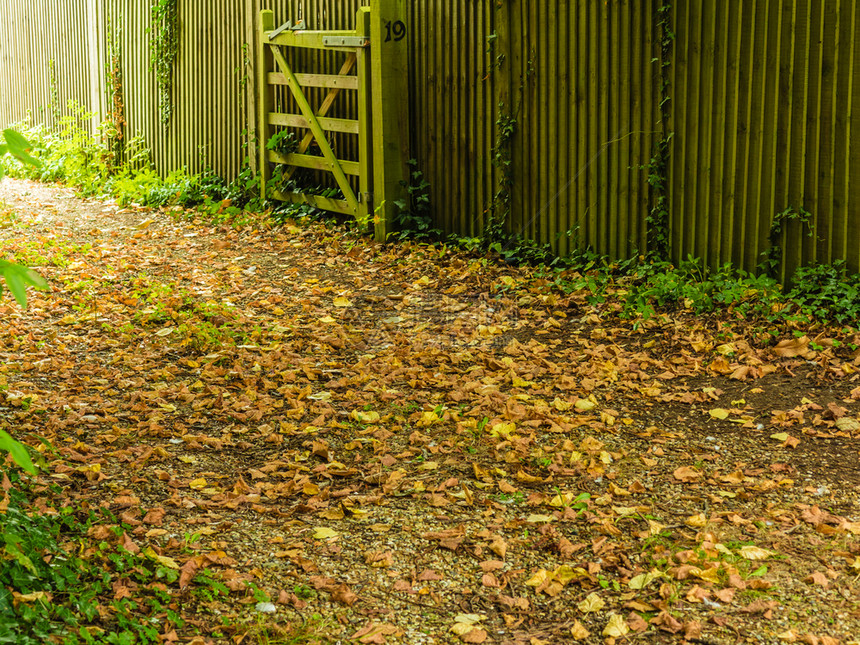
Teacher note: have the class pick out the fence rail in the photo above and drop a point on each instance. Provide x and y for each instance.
(545, 112)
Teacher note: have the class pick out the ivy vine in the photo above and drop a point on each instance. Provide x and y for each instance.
(54, 103)
(116, 103)
(164, 46)
(502, 158)
(657, 220)
(772, 257)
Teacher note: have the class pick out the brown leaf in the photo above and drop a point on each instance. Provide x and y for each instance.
(489, 580)
(491, 565)
(760, 606)
(817, 578)
(128, 544)
(344, 595)
(636, 622)
(375, 633)
(187, 572)
(792, 348)
(155, 517)
(499, 546)
(686, 474)
(667, 622)
(476, 635)
(692, 630)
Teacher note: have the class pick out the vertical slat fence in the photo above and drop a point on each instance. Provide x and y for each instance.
(764, 97)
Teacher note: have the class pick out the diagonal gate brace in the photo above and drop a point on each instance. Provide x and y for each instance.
(316, 129)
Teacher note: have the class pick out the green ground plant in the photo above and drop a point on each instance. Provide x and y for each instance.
(647, 285)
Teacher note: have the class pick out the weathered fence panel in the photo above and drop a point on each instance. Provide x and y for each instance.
(545, 111)
(765, 96)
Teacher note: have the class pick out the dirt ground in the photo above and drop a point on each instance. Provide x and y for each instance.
(423, 447)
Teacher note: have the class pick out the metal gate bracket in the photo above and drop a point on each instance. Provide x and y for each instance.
(345, 41)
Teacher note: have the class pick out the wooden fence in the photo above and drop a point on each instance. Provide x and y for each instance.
(546, 112)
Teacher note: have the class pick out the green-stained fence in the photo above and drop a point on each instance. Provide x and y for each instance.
(544, 112)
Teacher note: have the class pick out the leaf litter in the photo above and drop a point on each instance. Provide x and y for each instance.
(423, 447)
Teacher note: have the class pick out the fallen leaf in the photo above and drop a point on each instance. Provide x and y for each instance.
(686, 474)
(591, 603)
(324, 533)
(754, 553)
(616, 626)
(579, 632)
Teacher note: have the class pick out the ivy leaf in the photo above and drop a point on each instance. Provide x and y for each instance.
(18, 451)
(17, 146)
(18, 277)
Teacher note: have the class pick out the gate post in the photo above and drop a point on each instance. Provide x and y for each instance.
(389, 67)
(264, 96)
(365, 120)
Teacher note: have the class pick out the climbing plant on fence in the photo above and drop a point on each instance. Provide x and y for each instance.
(164, 46)
(658, 167)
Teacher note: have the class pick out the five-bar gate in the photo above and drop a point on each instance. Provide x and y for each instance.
(374, 68)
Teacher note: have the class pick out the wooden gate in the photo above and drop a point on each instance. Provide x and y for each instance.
(375, 68)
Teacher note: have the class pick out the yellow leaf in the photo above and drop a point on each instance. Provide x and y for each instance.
(428, 418)
(710, 575)
(327, 320)
(164, 332)
(755, 553)
(461, 629)
(719, 413)
(469, 619)
(163, 560)
(644, 579)
(561, 500)
(538, 578)
(504, 430)
(579, 632)
(198, 484)
(324, 533)
(539, 519)
(779, 436)
(584, 405)
(616, 626)
(565, 574)
(592, 603)
(697, 521)
(365, 416)
(340, 301)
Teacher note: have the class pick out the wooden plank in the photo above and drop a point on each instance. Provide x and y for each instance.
(365, 121)
(318, 132)
(264, 96)
(348, 126)
(310, 39)
(317, 201)
(251, 36)
(389, 63)
(326, 104)
(317, 80)
(96, 57)
(315, 163)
